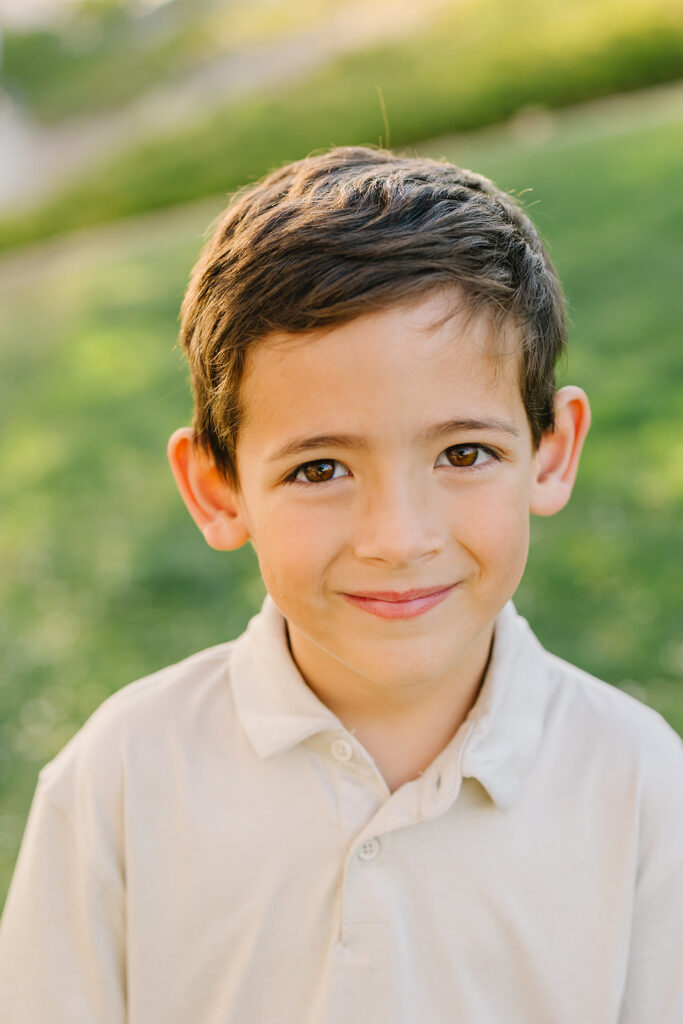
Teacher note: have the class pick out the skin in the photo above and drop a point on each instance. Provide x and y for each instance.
(387, 504)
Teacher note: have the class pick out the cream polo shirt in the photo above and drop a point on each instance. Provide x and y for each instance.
(213, 847)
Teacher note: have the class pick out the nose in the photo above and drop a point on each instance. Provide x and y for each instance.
(397, 527)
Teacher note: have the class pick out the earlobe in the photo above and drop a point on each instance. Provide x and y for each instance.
(212, 501)
(557, 458)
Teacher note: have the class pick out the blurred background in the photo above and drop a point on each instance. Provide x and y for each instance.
(124, 124)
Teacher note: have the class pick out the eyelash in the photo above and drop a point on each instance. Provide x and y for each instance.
(291, 478)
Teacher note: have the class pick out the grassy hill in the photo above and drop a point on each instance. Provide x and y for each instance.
(478, 63)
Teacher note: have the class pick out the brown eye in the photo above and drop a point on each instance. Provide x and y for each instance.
(462, 455)
(317, 472)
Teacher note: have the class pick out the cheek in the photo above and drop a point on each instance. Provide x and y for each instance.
(294, 545)
(496, 527)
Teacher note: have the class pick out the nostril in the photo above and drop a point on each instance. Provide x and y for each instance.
(398, 543)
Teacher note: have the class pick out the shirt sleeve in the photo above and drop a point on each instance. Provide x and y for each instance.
(62, 933)
(654, 984)
(653, 988)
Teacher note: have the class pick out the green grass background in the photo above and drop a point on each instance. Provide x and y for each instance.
(104, 576)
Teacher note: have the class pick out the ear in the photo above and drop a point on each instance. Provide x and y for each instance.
(212, 501)
(557, 458)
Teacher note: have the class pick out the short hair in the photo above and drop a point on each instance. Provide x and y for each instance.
(352, 231)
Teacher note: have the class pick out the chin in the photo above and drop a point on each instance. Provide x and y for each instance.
(394, 670)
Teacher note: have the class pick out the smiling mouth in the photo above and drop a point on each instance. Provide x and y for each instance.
(399, 604)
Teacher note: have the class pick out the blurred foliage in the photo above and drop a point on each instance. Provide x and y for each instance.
(478, 64)
(105, 578)
(102, 54)
(96, 60)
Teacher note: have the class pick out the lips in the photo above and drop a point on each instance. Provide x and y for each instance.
(398, 595)
(399, 604)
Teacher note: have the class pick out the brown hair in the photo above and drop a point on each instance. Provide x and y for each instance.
(349, 232)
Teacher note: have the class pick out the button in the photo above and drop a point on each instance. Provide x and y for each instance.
(341, 750)
(369, 849)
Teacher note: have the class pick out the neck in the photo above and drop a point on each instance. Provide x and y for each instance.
(403, 729)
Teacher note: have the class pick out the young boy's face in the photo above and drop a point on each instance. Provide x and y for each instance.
(386, 474)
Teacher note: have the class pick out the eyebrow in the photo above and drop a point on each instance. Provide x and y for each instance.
(355, 441)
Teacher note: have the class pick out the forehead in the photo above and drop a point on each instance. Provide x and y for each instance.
(385, 371)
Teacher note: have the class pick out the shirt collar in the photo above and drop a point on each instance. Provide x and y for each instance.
(503, 729)
(276, 707)
(506, 722)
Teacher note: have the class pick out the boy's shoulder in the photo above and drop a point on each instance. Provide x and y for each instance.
(191, 679)
(548, 730)
(568, 704)
(618, 751)
(607, 712)
(145, 721)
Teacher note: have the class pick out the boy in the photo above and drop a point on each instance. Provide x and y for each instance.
(385, 802)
